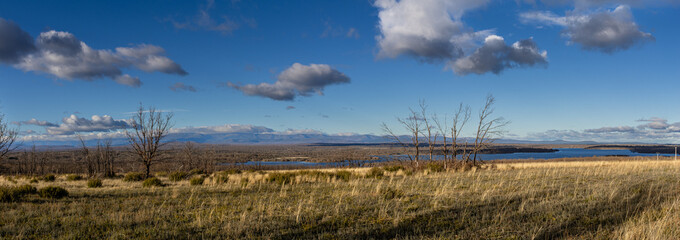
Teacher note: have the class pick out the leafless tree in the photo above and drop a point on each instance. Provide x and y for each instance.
(190, 156)
(460, 118)
(105, 158)
(429, 131)
(442, 128)
(149, 128)
(8, 137)
(488, 129)
(87, 157)
(412, 124)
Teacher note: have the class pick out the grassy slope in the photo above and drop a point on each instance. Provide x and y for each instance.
(582, 200)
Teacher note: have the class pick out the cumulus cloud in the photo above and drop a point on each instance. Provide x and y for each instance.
(432, 31)
(37, 122)
(64, 56)
(653, 130)
(607, 31)
(14, 42)
(297, 80)
(495, 55)
(423, 29)
(73, 124)
(182, 87)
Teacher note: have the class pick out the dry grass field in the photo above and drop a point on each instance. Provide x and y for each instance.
(529, 200)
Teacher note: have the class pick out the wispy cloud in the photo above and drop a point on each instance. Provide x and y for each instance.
(182, 87)
(204, 21)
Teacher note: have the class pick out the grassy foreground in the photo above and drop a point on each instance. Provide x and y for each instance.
(579, 200)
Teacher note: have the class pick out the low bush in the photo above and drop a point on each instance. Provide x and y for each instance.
(376, 173)
(196, 171)
(344, 175)
(133, 177)
(435, 167)
(178, 176)
(197, 181)
(394, 168)
(15, 194)
(74, 177)
(94, 183)
(390, 193)
(48, 178)
(152, 182)
(281, 178)
(222, 177)
(53, 192)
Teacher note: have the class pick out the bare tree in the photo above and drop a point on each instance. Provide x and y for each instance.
(431, 137)
(106, 156)
(87, 157)
(442, 128)
(487, 129)
(149, 128)
(459, 120)
(412, 124)
(8, 137)
(190, 156)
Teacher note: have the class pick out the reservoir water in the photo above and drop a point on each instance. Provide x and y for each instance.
(560, 153)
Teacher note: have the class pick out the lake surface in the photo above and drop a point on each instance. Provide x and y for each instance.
(561, 153)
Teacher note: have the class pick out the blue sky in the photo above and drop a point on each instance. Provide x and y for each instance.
(370, 65)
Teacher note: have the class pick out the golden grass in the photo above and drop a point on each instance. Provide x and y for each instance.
(536, 200)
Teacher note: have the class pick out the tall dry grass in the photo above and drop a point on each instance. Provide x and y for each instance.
(539, 200)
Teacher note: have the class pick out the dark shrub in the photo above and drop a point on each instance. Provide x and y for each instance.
(435, 167)
(197, 181)
(15, 194)
(394, 168)
(133, 177)
(222, 177)
(390, 193)
(281, 178)
(74, 177)
(48, 178)
(94, 183)
(376, 173)
(343, 175)
(33, 180)
(152, 182)
(232, 171)
(178, 176)
(53, 192)
(196, 171)
(26, 189)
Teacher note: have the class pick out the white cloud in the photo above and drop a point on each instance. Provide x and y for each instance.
(495, 56)
(605, 30)
(432, 31)
(422, 28)
(73, 124)
(655, 130)
(297, 80)
(64, 56)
